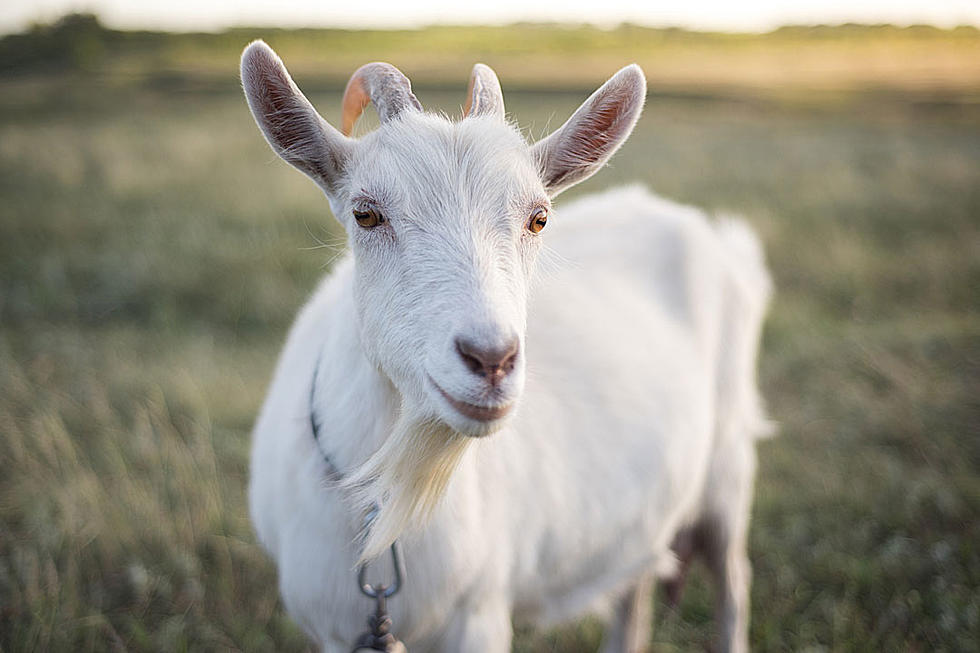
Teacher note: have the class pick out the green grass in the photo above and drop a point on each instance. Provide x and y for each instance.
(796, 63)
(153, 253)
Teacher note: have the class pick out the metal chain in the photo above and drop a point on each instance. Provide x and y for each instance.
(379, 636)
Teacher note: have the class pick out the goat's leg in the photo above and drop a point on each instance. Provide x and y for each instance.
(724, 538)
(732, 571)
(632, 622)
(480, 628)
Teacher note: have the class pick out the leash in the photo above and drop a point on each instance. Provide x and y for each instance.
(378, 636)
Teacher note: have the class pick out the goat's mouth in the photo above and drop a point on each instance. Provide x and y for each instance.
(472, 411)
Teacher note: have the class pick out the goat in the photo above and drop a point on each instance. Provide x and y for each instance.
(536, 447)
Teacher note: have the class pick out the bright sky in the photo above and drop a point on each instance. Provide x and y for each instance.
(732, 15)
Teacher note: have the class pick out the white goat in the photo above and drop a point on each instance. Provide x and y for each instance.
(620, 390)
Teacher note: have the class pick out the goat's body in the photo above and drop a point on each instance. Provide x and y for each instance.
(638, 420)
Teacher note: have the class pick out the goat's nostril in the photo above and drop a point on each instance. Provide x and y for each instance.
(511, 359)
(465, 351)
(493, 364)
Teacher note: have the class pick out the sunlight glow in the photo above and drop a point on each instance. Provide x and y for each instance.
(755, 15)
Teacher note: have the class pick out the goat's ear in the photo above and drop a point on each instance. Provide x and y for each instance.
(289, 122)
(577, 149)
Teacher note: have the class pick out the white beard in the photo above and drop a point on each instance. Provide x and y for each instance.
(406, 477)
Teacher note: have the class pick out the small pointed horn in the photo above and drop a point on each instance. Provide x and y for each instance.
(382, 84)
(484, 97)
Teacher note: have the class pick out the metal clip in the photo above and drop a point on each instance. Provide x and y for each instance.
(373, 591)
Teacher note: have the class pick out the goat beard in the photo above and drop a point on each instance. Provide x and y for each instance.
(405, 478)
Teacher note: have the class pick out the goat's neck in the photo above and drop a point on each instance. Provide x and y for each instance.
(355, 405)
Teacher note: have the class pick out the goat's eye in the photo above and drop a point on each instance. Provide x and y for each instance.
(369, 217)
(538, 219)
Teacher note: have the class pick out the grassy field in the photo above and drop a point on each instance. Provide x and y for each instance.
(153, 253)
(801, 64)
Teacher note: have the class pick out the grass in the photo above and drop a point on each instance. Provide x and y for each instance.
(797, 63)
(153, 253)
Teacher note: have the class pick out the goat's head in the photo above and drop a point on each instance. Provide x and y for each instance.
(443, 219)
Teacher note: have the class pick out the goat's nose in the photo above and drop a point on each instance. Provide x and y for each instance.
(491, 363)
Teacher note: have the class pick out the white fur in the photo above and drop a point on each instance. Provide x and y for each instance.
(636, 402)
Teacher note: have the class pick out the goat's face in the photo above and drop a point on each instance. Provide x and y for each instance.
(438, 217)
(443, 219)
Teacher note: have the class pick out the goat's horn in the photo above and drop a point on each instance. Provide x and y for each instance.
(484, 97)
(382, 84)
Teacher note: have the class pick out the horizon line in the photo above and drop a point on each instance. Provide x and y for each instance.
(601, 26)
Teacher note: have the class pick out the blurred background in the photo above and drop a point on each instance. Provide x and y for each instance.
(153, 252)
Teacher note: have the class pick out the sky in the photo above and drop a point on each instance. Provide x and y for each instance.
(726, 15)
